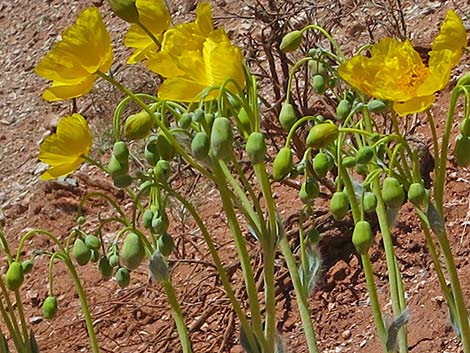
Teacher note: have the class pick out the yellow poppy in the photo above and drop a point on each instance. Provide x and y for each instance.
(153, 15)
(195, 57)
(72, 63)
(64, 151)
(396, 72)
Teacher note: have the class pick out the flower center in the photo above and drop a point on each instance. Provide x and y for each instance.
(412, 78)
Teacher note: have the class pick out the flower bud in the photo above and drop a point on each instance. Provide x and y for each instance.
(392, 193)
(151, 152)
(93, 242)
(376, 106)
(321, 135)
(369, 202)
(316, 67)
(339, 205)
(221, 141)
(287, 116)
(147, 219)
(365, 154)
(282, 164)
(138, 126)
(158, 267)
(125, 9)
(14, 276)
(132, 252)
(105, 268)
(343, 109)
(362, 237)
(116, 168)
(416, 193)
(49, 307)
(291, 41)
(309, 191)
(122, 277)
(322, 164)
(164, 147)
(319, 84)
(122, 181)
(185, 120)
(162, 170)
(462, 151)
(256, 147)
(165, 244)
(200, 146)
(121, 152)
(81, 252)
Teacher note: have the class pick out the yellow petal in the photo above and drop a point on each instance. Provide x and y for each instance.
(59, 91)
(415, 105)
(61, 170)
(181, 89)
(440, 66)
(154, 15)
(204, 18)
(222, 61)
(71, 140)
(451, 36)
(164, 64)
(143, 44)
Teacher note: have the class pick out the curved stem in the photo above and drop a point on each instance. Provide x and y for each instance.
(10, 320)
(84, 304)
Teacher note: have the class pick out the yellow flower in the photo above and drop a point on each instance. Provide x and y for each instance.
(396, 72)
(195, 57)
(64, 151)
(72, 63)
(153, 15)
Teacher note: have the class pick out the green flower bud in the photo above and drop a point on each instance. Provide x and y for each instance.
(362, 237)
(322, 164)
(81, 252)
(185, 120)
(160, 222)
(105, 268)
(92, 242)
(27, 266)
(321, 135)
(364, 155)
(14, 276)
(113, 260)
(256, 147)
(198, 115)
(121, 152)
(392, 193)
(343, 109)
(376, 106)
(116, 168)
(309, 191)
(462, 151)
(132, 252)
(416, 193)
(349, 161)
(138, 126)
(369, 202)
(291, 41)
(122, 276)
(163, 170)
(200, 146)
(49, 307)
(319, 84)
(287, 116)
(147, 219)
(81, 220)
(165, 244)
(282, 164)
(151, 151)
(94, 255)
(209, 118)
(221, 141)
(339, 205)
(125, 9)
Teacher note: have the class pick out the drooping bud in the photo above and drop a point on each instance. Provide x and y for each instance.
(138, 126)
(321, 135)
(256, 147)
(287, 116)
(291, 41)
(362, 237)
(282, 164)
(125, 9)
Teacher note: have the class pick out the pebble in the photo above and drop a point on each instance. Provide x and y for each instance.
(346, 334)
(35, 320)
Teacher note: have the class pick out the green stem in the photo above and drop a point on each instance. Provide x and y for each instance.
(242, 252)
(374, 300)
(177, 316)
(390, 259)
(24, 326)
(302, 302)
(150, 34)
(83, 302)
(218, 264)
(330, 39)
(12, 324)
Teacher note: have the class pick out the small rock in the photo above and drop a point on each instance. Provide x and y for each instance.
(35, 320)
(363, 343)
(346, 334)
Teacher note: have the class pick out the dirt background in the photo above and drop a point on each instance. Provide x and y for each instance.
(137, 319)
